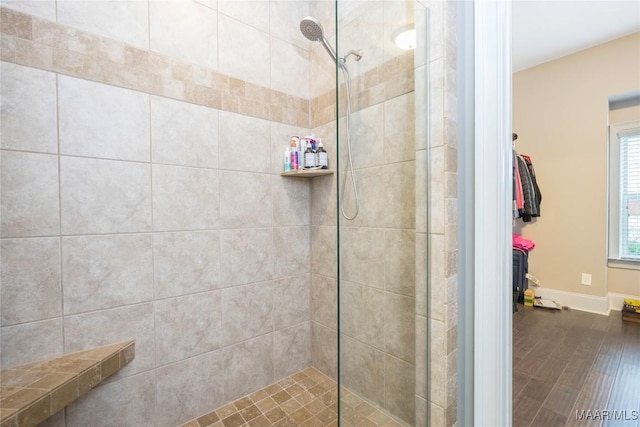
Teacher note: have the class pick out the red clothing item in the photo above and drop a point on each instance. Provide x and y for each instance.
(520, 242)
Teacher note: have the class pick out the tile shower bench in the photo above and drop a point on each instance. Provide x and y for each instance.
(31, 393)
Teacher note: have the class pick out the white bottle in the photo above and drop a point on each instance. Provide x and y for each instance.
(287, 159)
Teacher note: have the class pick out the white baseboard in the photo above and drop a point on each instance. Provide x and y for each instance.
(615, 300)
(582, 302)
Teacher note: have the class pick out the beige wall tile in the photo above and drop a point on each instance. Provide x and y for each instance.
(289, 68)
(323, 251)
(30, 280)
(423, 33)
(186, 262)
(324, 301)
(291, 247)
(189, 389)
(187, 326)
(422, 274)
(184, 30)
(365, 31)
(132, 399)
(422, 126)
(247, 312)
(421, 412)
(291, 299)
(247, 367)
(423, 191)
(104, 196)
(324, 200)
(285, 17)
(437, 277)
(322, 73)
(246, 256)
(291, 350)
(436, 23)
(29, 194)
(30, 342)
(362, 313)
(245, 200)
(437, 373)
(361, 253)
(399, 326)
(437, 418)
(399, 204)
(244, 143)
(399, 389)
(185, 198)
(183, 134)
(28, 109)
(125, 21)
(41, 8)
(400, 262)
(367, 137)
(106, 271)
(421, 367)
(133, 322)
(243, 51)
(290, 201)
(324, 349)
(399, 129)
(254, 13)
(114, 120)
(437, 190)
(362, 369)
(212, 4)
(436, 106)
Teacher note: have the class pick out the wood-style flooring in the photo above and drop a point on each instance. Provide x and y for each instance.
(569, 365)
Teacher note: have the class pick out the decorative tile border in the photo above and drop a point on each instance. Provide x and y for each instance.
(31, 393)
(34, 42)
(393, 78)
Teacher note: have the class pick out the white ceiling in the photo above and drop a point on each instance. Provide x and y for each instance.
(544, 30)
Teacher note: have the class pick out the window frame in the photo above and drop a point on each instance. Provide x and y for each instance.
(615, 194)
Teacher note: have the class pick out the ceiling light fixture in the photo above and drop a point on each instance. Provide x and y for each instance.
(406, 40)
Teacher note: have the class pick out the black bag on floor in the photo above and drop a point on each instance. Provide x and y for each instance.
(520, 268)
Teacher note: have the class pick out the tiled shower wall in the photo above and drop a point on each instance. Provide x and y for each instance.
(443, 202)
(141, 146)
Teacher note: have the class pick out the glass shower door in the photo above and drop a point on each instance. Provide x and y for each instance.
(382, 212)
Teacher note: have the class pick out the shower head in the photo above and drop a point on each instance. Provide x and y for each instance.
(311, 28)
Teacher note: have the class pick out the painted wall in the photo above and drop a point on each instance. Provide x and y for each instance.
(141, 198)
(560, 112)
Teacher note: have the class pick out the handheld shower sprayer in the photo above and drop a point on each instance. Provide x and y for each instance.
(312, 29)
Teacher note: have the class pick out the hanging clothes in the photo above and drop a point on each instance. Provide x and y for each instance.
(527, 195)
(532, 173)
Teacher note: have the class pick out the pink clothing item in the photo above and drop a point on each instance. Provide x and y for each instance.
(522, 243)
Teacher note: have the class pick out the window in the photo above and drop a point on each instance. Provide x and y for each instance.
(624, 192)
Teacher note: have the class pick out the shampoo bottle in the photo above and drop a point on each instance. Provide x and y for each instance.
(294, 154)
(309, 157)
(323, 157)
(287, 159)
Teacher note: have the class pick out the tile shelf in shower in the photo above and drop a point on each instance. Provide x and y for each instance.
(31, 393)
(308, 173)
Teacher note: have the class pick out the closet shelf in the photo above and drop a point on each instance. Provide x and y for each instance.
(307, 173)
